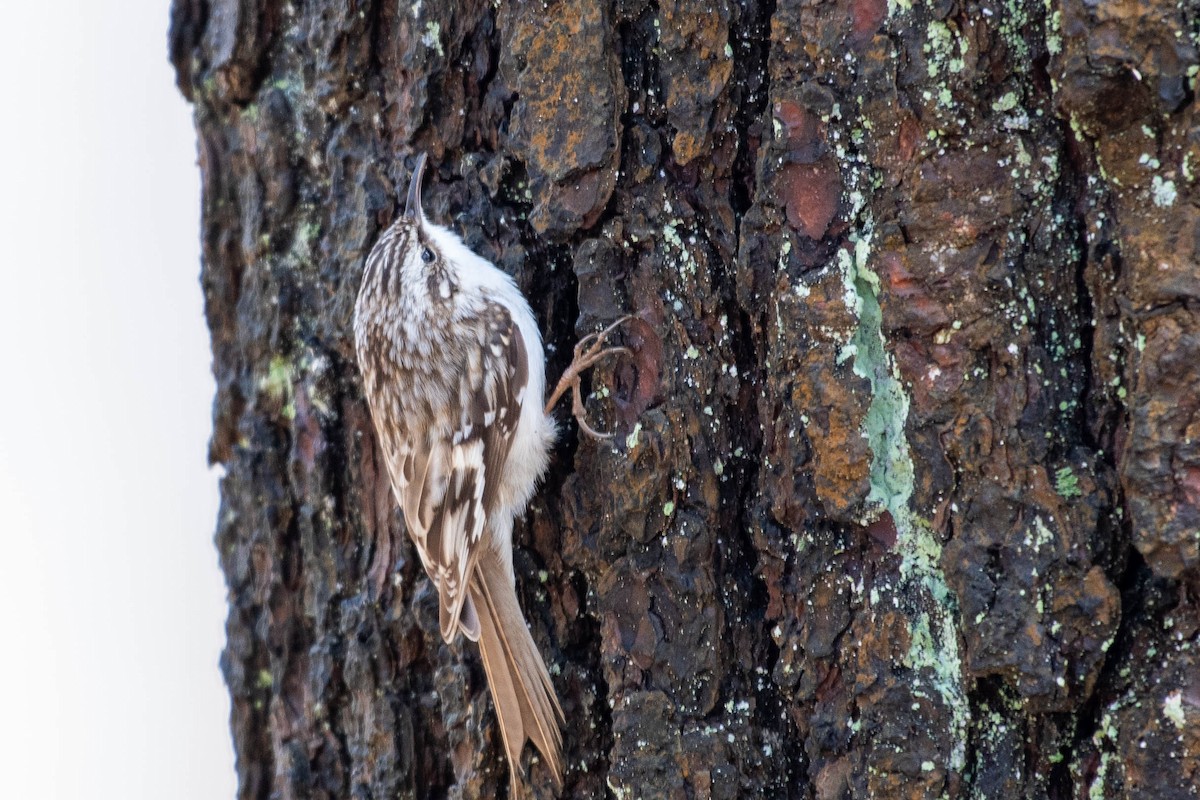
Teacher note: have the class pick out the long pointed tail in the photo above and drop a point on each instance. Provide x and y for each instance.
(526, 706)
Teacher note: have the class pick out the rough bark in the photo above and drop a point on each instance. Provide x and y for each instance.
(906, 489)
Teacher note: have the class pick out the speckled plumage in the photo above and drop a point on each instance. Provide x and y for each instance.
(454, 373)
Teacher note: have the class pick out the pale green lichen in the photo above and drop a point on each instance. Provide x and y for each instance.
(1041, 536)
(277, 385)
(432, 37)
(1163, 192)
(631, 441)
(1014, 25)
(933, 650)
(1173, 709)
(1053, 31)
(939, 48)
(1024, 159)
(1007, 102)
(1066, 483)
(304, 242)
(1096, 790)
(309, 232)
(1106, 731)
(687, 262)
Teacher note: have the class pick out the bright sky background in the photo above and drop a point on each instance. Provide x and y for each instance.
(111, 603)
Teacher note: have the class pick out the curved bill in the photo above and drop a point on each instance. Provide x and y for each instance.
(412, 209)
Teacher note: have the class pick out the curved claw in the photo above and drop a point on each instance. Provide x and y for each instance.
(581, 417)
(588, 351)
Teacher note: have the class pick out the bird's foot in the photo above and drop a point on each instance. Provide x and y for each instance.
(589, 350)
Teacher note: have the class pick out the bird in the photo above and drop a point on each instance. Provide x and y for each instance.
(454, 375)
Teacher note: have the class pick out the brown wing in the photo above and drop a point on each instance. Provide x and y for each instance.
(456, 476)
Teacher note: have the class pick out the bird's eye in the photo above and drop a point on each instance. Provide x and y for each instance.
(427, 255)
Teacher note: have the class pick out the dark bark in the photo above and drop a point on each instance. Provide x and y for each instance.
(906, 489)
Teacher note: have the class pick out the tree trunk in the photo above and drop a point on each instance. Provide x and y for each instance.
(905, 491)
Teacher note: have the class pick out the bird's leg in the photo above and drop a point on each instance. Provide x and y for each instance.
(588, 352)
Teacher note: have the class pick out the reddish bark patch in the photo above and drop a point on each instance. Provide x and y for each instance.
(883, 530)
(1190, 483)
(865, 18)
(583, 197)
(801, 127)
(639, 376)
(903, 285)
(811, 193)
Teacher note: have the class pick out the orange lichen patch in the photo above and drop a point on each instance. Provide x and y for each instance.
(695, 71)
(565, 123)
(818, 405)
(1032, 634)
(836, 404)
(842, 468)
(688, 146)
(811, 193)
(883, 635)
(563, 115)
(909, 135)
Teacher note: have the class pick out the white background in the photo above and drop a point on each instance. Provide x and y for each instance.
(111, 603)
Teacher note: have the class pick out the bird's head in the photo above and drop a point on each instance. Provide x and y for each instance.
(410, 260)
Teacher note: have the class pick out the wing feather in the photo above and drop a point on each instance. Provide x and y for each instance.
(447, 508)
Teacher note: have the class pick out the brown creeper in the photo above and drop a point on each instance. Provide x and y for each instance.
(454, 373)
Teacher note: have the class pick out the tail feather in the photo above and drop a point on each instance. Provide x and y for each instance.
(526, 706)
